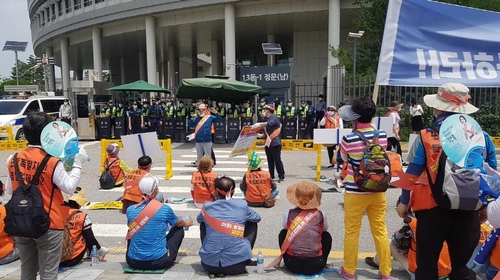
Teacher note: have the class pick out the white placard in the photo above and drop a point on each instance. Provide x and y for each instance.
(330, 136)
(384, 123)
(141, 144)
(244, 142)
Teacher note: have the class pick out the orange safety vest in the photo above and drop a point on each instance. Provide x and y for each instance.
(75, 225)
(6, 241)
(444, 262)
(201, 192)
(29, 160)
(132, 191)
(331, 122)
(396, 164)
(258, 185)
(115, 169)
(421, 196)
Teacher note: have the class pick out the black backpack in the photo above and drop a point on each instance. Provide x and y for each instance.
(107, 181)
(26, 216)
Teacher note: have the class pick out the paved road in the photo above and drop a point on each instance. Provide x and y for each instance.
(110, 226)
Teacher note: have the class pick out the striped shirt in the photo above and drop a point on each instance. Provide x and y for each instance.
(354, 148)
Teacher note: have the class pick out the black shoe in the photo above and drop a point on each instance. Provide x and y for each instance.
(331, 166)
(369, 261)
(281, 180)
(405, 164)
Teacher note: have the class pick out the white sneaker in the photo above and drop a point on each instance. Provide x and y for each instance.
(103, 251)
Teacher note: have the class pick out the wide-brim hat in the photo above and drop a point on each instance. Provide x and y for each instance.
(451, 97)
(255, 161)
(79, 197)
(395, 105)
(304, 195)
(346, 113)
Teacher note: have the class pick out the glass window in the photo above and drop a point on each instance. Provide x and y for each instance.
(47, 11)
(87, 3)
(51, 106)
(99, 1)
(32, 107)
(78, 4)
(53, 11)
(59, 8)
(67, 3)
(11, 107)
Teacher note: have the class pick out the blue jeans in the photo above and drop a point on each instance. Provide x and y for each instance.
(491, 272)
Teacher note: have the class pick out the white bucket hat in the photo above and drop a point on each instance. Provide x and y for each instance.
(451, 97)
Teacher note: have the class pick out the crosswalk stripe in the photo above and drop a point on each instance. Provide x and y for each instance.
(216, 156)
(188, 177)
(192, 168)
(229, 151)
(167, 190)
(219, 162)
(184, 207)
(120, 230)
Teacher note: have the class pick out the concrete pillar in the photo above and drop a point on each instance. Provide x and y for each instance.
(230, 40)
(194, 60)
(97, 52)
(66, 87)
(50, 71)
(333, 40)
(216, 57)
(270, 57)
(142, 64)
(171, 67)
(123, 70)
(151, 49)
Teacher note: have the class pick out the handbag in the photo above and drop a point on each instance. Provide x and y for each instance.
(269, 200)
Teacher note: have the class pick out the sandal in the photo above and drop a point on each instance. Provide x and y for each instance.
(369, 261)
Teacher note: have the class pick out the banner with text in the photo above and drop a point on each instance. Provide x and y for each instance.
(429, 43)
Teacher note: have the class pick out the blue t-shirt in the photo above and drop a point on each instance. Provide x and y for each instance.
(150, 243)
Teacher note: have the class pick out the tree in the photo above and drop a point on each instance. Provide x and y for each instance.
(30, 73)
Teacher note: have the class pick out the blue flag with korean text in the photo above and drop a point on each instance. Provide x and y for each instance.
(429, 43)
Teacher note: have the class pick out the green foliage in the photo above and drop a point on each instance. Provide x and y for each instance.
(29, 74)
(488, 118)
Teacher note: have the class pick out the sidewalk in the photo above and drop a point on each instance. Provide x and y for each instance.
(189, 267)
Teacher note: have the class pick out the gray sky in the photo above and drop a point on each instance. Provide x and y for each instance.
(15, 26)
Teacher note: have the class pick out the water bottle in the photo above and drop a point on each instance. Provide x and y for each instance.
(94, 256)
(260, 263)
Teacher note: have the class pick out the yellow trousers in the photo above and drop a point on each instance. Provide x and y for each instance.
(375, 205)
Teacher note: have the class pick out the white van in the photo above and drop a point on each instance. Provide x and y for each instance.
(13, 111)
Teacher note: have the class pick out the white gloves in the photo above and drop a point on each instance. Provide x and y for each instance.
(257, 125)
(80, 158)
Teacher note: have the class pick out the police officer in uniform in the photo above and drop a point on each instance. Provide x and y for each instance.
(192, 111)
(170, 109)
(155, 113)
(135, 119)
(261, 112)
(279, 109)
(233, 112)
(310, 123)
(246, 112)
(221, 109)
(303, 109)
(181, 110)
(145, 115)
(290, 111)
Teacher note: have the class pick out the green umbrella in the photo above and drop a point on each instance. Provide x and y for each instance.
(139, 86)
(217, 89)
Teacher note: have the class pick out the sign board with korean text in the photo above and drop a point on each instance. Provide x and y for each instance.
(449, 44)
(244, 142)
(267, 76)
(141, 144)
(330, 136)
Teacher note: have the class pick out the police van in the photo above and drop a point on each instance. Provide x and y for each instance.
(13, 111)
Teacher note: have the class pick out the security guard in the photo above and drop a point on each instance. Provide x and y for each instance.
(181, 110)
(279, 109)
(233, 112)
(156, 114)
(246, 112)
(290, 111)
(221, 109)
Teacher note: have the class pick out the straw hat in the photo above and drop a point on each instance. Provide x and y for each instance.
(451, 97)
(79, 197)
(255, 162)
(304, 195)
(395, 105)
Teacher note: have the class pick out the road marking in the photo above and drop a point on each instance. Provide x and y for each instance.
(188, 177)
(224, 156)
(185, 207)
(333, 254)
(120, 230)
(193, 168)
(167, 190)
(219, 162)
(89, 143)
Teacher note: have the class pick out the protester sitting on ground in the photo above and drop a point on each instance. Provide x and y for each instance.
(307, 251)
(227, 250)
(117, 167)
(81, 232)
(147, 246)
(257, 184)
(131, 193)
(202, 182)
(8, 248)
(407, 257)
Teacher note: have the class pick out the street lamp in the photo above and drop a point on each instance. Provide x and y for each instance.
(354, 36)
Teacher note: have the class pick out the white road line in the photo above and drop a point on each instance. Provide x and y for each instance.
(119, 230)
(167, 190)
(188, 177)
(218, 162)
(185, 207)
(224, 156)
(193, 168)
(89, 143)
